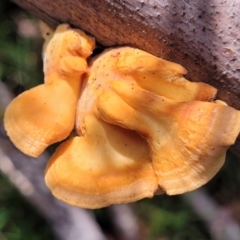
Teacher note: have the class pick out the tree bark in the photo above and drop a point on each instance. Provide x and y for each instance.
(203, 35)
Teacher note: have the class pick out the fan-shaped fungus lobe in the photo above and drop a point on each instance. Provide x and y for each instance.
(45, 114)
(107, 165)
(187, 141)
(142, 128)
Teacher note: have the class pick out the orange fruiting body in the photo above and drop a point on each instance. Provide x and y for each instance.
(142, 128)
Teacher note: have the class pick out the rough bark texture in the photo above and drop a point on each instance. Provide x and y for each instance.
(201, 35)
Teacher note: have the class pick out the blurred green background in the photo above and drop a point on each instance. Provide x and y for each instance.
(162, 217)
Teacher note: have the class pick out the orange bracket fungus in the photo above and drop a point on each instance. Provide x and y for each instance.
(45, 114)
(141, 127)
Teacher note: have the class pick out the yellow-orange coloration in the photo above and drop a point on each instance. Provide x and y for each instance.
(142, 128)
(107, 165)
(187, 141)
(45, 114)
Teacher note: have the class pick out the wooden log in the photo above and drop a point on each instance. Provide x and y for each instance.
(203, 36)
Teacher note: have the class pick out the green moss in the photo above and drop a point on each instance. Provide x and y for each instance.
(170, 217)
(18, 219)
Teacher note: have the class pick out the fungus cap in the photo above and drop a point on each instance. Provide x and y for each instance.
(108, 165)
(142, 128)
(187, 141)
(45, 114)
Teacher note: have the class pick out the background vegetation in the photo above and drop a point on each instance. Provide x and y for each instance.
(162, 217)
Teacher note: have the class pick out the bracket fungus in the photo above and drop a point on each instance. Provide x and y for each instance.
(141, 127)
(107, 165)
(187, 141)
(45, 114)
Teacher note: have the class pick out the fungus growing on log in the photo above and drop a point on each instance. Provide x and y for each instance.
(187, 141)
(141, 127)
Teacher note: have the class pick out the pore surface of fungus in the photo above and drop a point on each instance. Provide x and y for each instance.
(141, 127)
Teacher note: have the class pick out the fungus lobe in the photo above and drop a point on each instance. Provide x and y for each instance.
(141, 127)
(45, 114)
